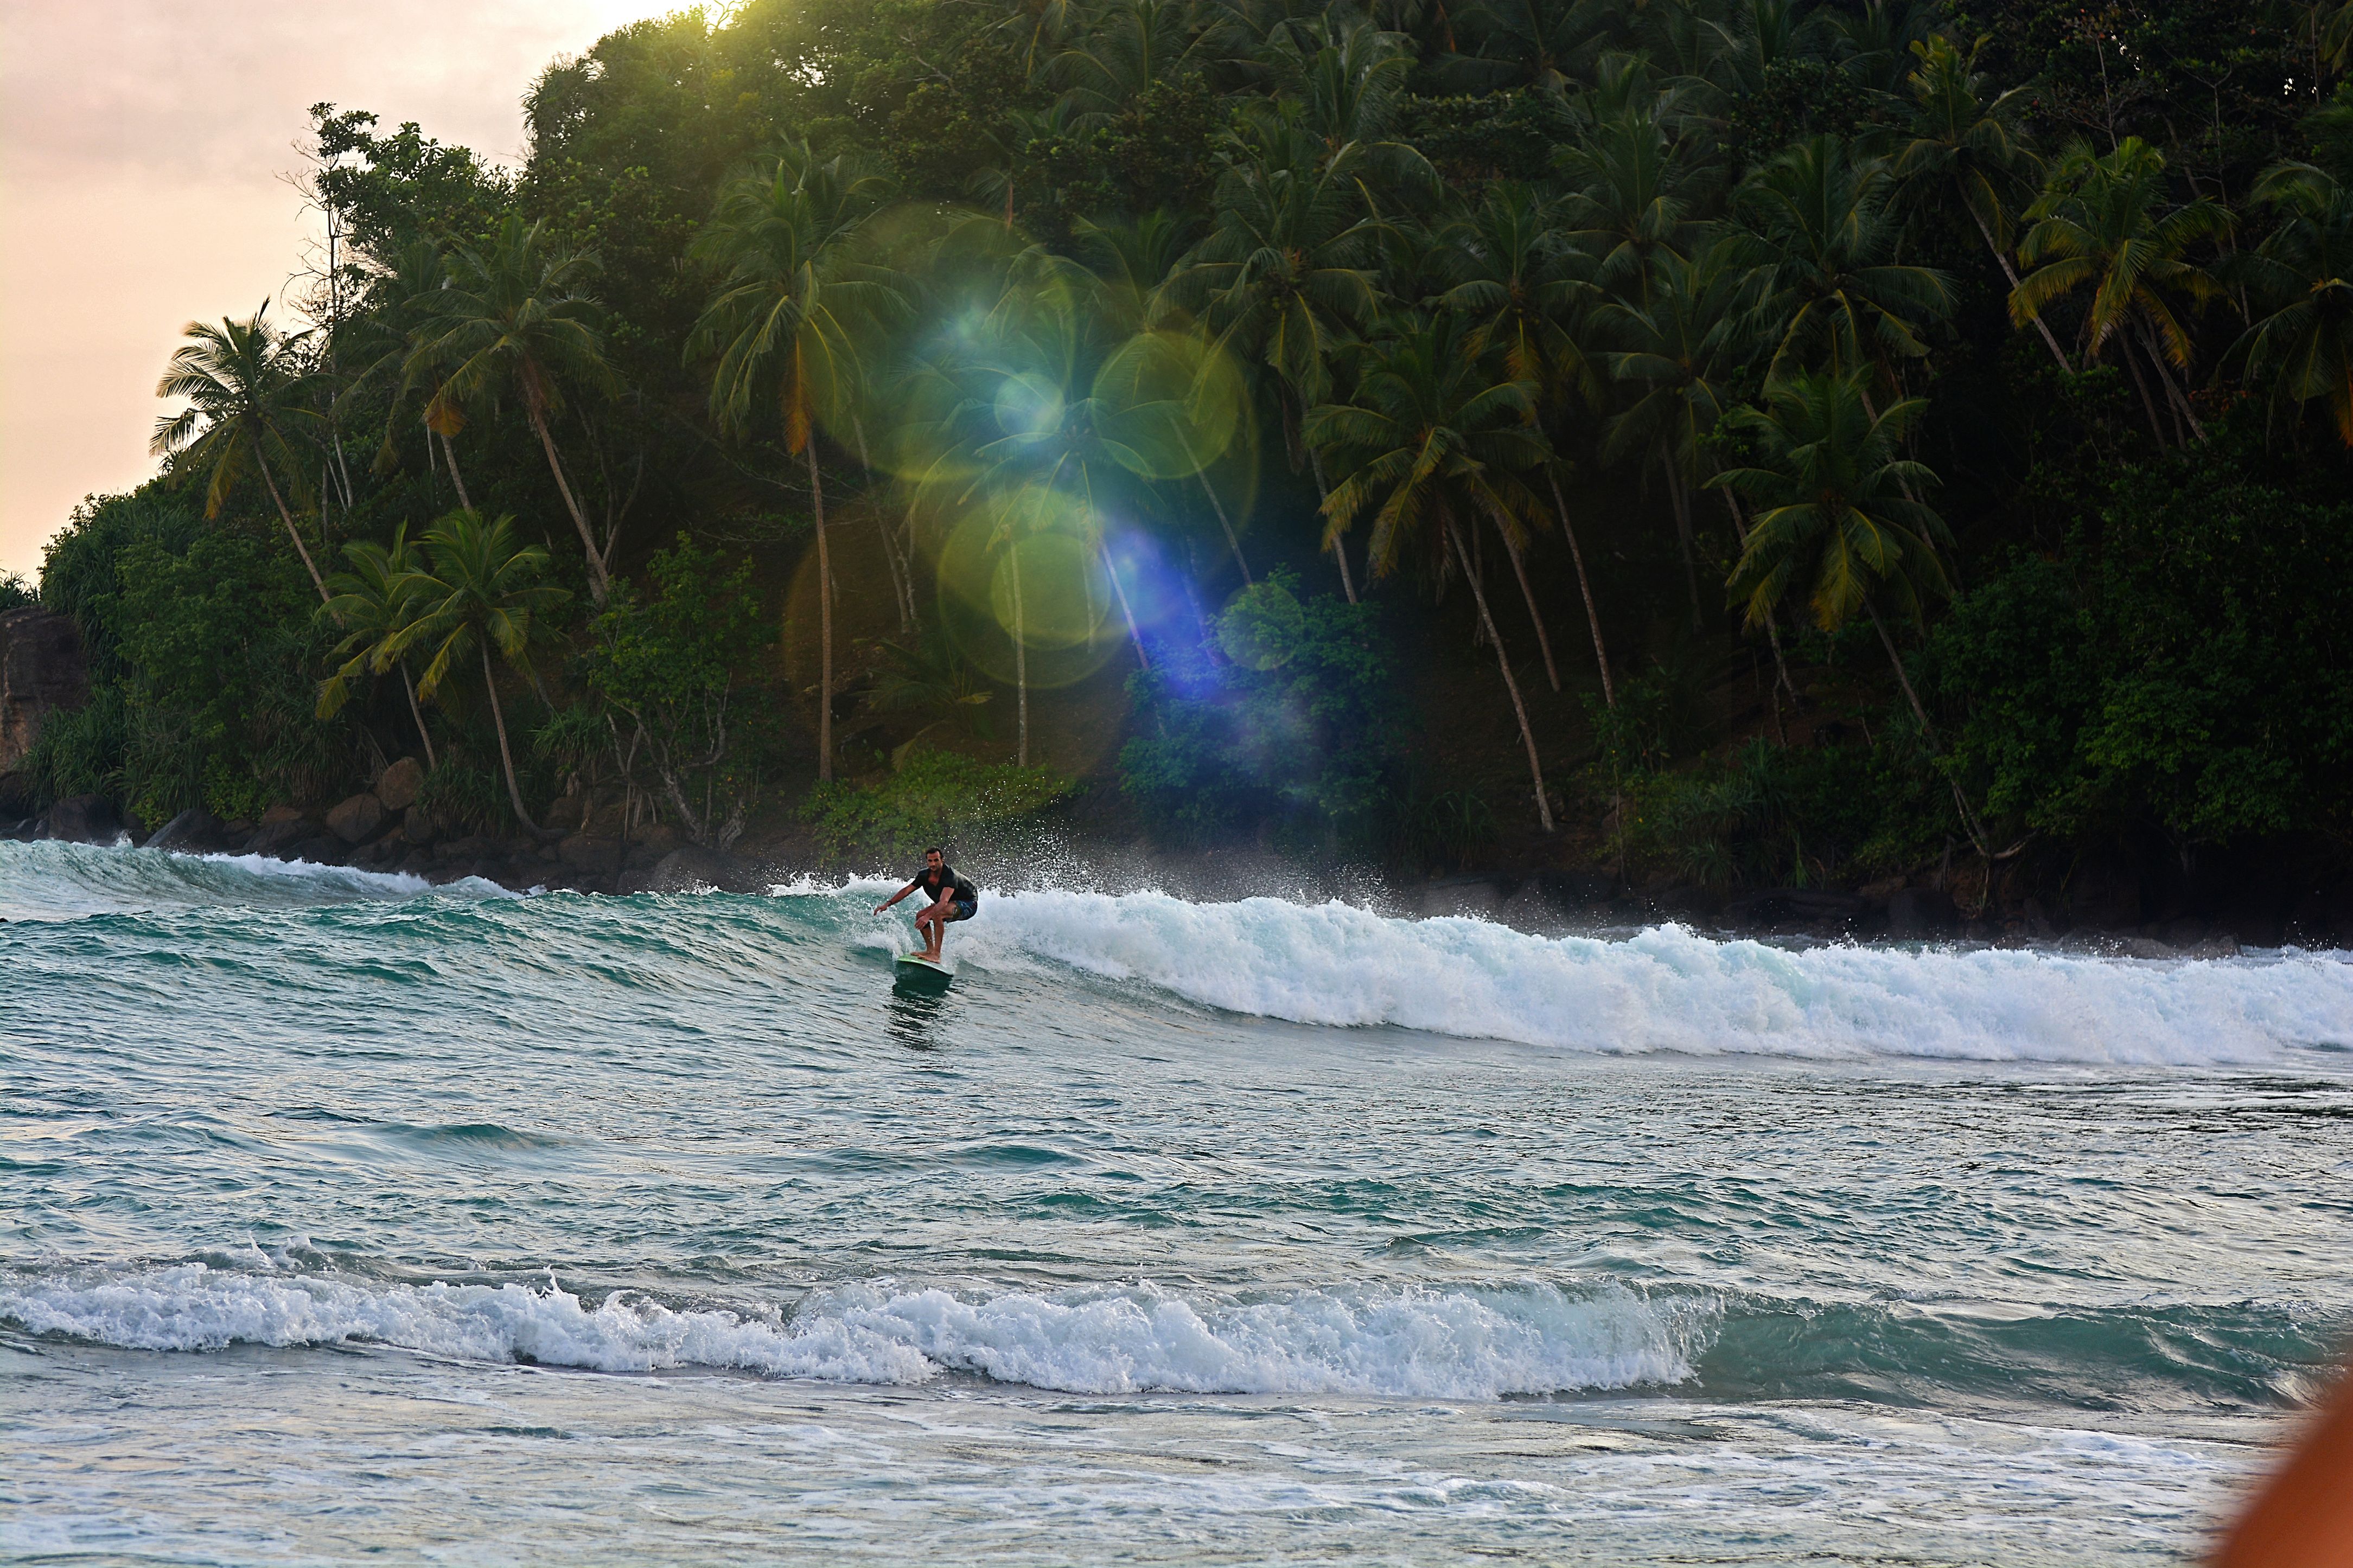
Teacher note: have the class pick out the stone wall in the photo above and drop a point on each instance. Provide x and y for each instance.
(41, 671)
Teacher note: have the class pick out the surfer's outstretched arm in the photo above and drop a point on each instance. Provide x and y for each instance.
(894, 898)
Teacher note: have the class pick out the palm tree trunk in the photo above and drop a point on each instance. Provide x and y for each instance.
(1021, 653)
(1112, 572)
(1772, 625)
(1969, 822)
(1339, 542)
(824, 623)
(506, 753)
(418, 715)
(293, 533)
(2178, 399)
(598, 585)
(1201, 472)
(1682, 505)
(456, 479)
(2010, 272)
(1519, 708)
(903, 570)
(1585, 588)
(2140, 384)
(1535, 616)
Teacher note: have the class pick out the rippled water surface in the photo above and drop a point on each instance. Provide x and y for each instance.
(341, 1217)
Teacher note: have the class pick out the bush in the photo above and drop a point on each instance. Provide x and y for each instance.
(2188, 669)
(933, 796)
(16, 592)
(1294, 724)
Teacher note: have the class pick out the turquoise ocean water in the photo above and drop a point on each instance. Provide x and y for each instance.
(343, 1219)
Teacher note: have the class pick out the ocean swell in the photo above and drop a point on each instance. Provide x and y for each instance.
(1405, 1341)
(1670, 989)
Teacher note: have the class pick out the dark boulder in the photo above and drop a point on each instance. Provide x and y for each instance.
(398, 784)
(42, 671)
(85, 819)
(276, 838)
(194, 831)
(1915, 914)
(695, 869)
(1797, 906)
(356, 820)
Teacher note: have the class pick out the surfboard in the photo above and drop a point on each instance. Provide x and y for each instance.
(915, 965)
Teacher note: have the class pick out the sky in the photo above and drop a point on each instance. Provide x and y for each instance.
(143, 150)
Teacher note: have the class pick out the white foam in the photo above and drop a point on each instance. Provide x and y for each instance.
(1401, 1342)
(1670, 989)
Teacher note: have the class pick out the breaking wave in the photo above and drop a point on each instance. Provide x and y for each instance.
(1407, 1342)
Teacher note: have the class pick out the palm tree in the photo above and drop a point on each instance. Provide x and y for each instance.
(1817, 219)
(485, 589)
(1836, 513)
(1286, 274)
(1633, 197)
(1433, 440)
(386, 337)
(1670, 353)
(1516, 280)
(785, 319)
(1960, 147)
(2303, 271)
(517, 315)
(247, 389)
(2107, 224)
(372, 602)
(1131, 48)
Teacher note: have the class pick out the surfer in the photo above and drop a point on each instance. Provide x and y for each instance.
(952, 899)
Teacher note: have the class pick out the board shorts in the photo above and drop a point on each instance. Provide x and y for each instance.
(964, 909)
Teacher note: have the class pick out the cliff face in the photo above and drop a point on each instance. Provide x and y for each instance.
(41, 671)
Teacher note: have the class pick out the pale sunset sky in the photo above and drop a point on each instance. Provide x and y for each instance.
(142, 146)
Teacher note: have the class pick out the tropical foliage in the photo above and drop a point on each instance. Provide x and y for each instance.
(1939, 411)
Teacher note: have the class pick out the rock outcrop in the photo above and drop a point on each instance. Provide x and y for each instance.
(42, 671)
(356, 821)
(399, 784)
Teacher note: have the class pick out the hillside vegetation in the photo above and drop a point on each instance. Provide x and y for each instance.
(1733, 442)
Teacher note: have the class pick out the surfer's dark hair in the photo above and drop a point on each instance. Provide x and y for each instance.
(936, 849)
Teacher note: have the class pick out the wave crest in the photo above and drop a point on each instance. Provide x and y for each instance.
(1403, 1342)
(1671, 989)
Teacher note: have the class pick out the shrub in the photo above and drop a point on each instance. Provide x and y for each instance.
(933, 795)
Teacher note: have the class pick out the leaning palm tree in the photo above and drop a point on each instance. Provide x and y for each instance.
(373, 603)
(1836, 513)
(1960, 147)
(785, 319)
(2107, 224)
(1437, 438)
(246, 391)
(1516, 280)
(517, 316)
(485, 589)
(2302, 273)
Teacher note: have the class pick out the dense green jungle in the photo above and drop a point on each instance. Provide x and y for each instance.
(1701, 444)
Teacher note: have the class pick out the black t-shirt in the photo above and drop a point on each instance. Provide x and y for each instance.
(946, 878)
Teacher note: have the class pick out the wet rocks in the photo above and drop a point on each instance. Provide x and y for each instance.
(356, 820)
(85, 819)
(194, 831)
(396, 787)
(1918, 914)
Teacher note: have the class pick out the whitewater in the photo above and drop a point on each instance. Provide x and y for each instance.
(346, 1216)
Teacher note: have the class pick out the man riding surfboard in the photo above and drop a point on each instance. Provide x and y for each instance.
(952, 899)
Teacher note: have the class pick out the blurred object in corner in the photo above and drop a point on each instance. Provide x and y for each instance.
(2302, 1516)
